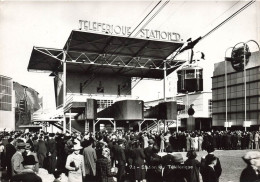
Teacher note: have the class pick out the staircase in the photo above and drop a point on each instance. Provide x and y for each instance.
(153, 126)
(60, 126)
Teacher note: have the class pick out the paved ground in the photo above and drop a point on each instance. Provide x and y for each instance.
(231, 161)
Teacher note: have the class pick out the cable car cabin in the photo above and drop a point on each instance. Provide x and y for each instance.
(190, 79)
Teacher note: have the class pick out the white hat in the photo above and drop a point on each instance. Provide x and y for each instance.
(76, 147)
(251, 155)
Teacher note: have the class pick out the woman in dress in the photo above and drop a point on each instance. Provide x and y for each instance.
(200, 141)
(145, 138)
(75, 165)
(188, 142)
(162, 139)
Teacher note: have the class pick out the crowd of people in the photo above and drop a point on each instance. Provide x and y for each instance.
(121, 156)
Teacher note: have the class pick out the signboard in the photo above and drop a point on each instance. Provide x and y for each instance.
(246, 123)
(126, 31)
(227, 124)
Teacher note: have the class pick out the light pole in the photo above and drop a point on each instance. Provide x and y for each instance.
(226, 87)
(243, 62)
(245, 47)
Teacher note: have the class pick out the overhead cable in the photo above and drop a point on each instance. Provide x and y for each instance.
(229, 18)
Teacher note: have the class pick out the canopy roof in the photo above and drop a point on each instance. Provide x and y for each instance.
(107, 54)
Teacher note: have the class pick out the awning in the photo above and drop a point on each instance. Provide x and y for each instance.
(97, 53)
(45, 59)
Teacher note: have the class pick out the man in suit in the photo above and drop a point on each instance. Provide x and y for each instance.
(251, 172)
(17, 159)
(205, 162)
(10, 151)
(120, 160)
(42, 151)
(148, 151)
(28, 174)
(52, 153)
(90, 158)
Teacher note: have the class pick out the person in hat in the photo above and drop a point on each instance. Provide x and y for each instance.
(138, 162)
(104, 172)
(9, 152)
(120, 160)
(90, 158)
(41, 150)
(28, 175)
(29, 150)
(205, 162)
(192, 161)
(251, 172)
(75, 165)
(52, 153)
(154, 172)
(148, 151)
(174, 169)
(57, 176)
(17, 159)
(209, 174)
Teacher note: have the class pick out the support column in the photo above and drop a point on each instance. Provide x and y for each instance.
(139, 126)
(245, 79)
(94, 125)
(86, 126)
(64, 89)
(164, 81)
(158, 126)
(165, 125)
(191, 123)
(114, 125)
(70, 121)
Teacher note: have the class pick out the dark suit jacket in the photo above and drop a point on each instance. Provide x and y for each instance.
(148, 152)
(10, 151)
(120, 155)
(42, 148)
(26, 177)
(209, 175)
(138, 157)
(51, 145)
(217, 168)
(248, 175)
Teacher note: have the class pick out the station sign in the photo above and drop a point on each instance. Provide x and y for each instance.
(126, 31)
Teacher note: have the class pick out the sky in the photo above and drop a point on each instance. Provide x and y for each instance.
(49, 23)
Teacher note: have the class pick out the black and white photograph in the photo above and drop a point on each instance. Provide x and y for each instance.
(130, 91)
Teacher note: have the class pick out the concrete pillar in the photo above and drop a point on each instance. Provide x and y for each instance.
(190, 123)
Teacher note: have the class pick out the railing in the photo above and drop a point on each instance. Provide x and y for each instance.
(77, 97)
(154, 126)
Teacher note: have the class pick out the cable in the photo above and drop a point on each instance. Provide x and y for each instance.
(219, 25)
(223, 13)
(158, 11)
(229, 18)
(145, 18)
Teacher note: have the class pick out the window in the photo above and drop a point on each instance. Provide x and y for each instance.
(5, 94)
(210, 107)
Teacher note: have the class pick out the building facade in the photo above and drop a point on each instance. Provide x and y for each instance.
(7, 117)
(17, 104)
(228, 94)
